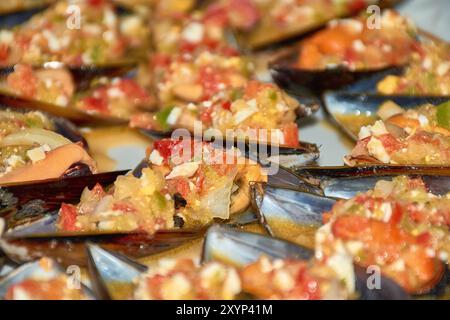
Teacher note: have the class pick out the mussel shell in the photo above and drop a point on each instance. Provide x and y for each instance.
(14, 102)
(72, 250)
(346, 182)
(258, 38)
(286, 177)
(281, 205)
(306, 81)
(108, 268)
(33, 268)
(240, 248)
(388, 290)
(344, 103)
(83, 75)
(20, 15)
(24, 201)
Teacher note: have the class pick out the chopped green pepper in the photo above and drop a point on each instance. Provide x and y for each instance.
(236, 94)
(273, 95)
(162, 116)
(160, 200)
(443, 115)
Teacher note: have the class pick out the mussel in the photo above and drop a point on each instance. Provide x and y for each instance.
(113, 275)
(346, 182)
(69, 42)
(344, 52)
(289, 213)
(67, 88)
(59, 231)
(21, 202)
(298, 216)
(45, 141)
(266, 24)
(412, 132)
(13, 14)
(306, 82)
(242, 248)
(50, 281)
(351, 111)
(70, 250)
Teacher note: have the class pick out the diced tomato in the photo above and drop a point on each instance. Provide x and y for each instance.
(356, 5)
(123, 207)
(120, 45)
(350, 227)
(188, 47)
(165, 147)
(243, 14)
(424, 238)
(133, 90)
(290, 133)
(390, 143)
(397, 214)
(415, 214)
(160, 60)
(425, 137)
(48, 290)
(254, 87)
(426, 269)
(326, 217)
(68, 217)
(417, 47)
(154, 285)
(216, 14)
(23, 80)
(308, 287)
(351, 56)
(309, 57)
(180, 185)
(210, 78)
(23, 41)
(205, 116)
(226, 105)
(200, 181)
(99, 104)
(4, 52)
(96, 3)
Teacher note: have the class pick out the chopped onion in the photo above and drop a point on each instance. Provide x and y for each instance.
(218, 200)
(389, 109)
(32, 136)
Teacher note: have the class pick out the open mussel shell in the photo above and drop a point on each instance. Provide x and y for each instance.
(273, 35)
(2, 254)
(388, 289)
(34, 270)
(346, 108)
(12, 16)
(261, 152)
(241, 248)
(346, 182)
(285, 211)
(113, 275)
(301, 81)
(21, 202)
(14, 102)
(69, 250)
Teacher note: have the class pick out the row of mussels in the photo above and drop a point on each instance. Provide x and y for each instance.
(375, 232)
(325, 230)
